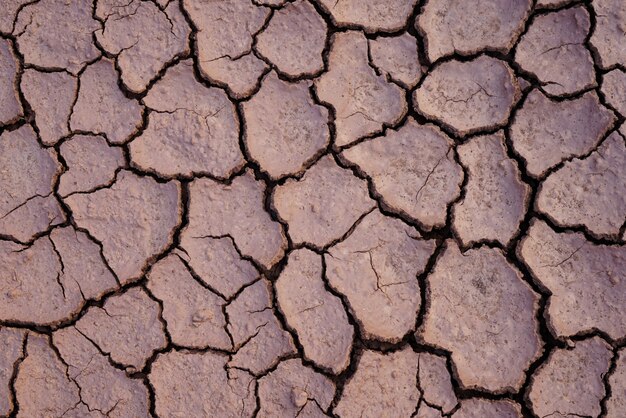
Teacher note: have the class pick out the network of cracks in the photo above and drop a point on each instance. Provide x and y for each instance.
(344, 208)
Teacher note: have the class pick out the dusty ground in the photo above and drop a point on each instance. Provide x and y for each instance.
(347, 208)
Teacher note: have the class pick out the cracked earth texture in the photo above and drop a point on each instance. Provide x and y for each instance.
(313, 208)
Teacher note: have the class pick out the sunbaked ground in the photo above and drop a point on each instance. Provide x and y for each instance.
(343, 208)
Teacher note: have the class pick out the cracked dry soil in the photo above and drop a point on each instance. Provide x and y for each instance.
(342, 208)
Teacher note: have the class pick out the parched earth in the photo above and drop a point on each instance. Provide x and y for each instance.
(343, 208)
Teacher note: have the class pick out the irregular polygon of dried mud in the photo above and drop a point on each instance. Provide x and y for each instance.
(397, 57)
(469, 27)
(127, 327)
(90, 162)
(57, 34)
(102, 108)
(370, 15)
(553, 50)
(51, 96)
(103, 388)
(414, 171)
(614, 89)
(48, 282)
(236, 210)
(376, 268)
(200, 384)
(468, 96)
(224, 42)
(546, 132)
(134, 219)
(43, 387)
(258, 338)
(304, 204)
(193, 314)
(495, 198)
(589, 192)
(192, 129)
(317, 316)
(570, 381)
(239, 77)
(282, 139)
(435, 382)
(483, 312)
(217, 263)
(291, 387)
(383, 385)
(294, 40)
(143, 37)
(29, 172)
(34, 217)
(10, 106)
(608, 36)
(484, 408)
(585, 280)
(364, 102)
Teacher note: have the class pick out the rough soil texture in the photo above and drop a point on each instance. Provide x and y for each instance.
(376, 268)
(313, 208)
(9, 96)
(316, 316)
(363, 100)
(144, 36)
(553, 50)
(398, 58)
(589, 191)
(495, 198)
(546, 132)
(566, 263)
(571, 380)
(283, 139)
(294, 40)
(102, 108)
(192, 131)
(413, 170)
(322, 206)
(382, 385)
(484, 314)
(468, 96)
(469, 27)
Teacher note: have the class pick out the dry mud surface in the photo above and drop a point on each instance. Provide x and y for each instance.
(313, 208)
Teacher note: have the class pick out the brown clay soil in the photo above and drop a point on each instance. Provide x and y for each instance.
(313, 208)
